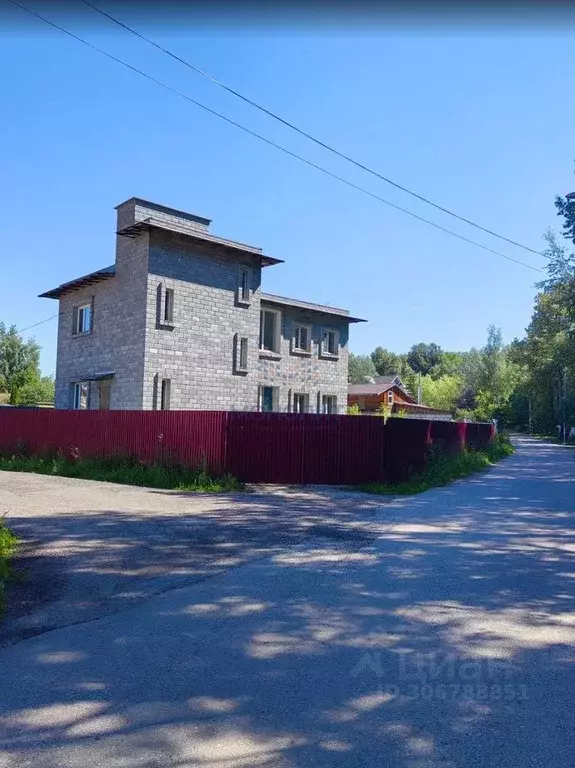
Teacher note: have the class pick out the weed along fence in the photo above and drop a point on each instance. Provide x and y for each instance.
(255, 447)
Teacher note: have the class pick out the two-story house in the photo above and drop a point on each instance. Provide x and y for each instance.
(179, 321)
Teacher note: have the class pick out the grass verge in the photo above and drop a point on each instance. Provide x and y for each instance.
(7, 548)
(124, 469)
(444, 468)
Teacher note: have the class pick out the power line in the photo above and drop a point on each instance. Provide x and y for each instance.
(268, 141)
(308, 135)
(21, 330)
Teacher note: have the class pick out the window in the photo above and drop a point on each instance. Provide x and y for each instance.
(270, 330)
(301, 341)
(329, 404)
(244, 284)
(269, 399)
(80, 395)
(240, 353)
(165, 394)
(169, 305)
(165, 299)
(329, 342)
(390, 397)
(300, 402)
(82, 319)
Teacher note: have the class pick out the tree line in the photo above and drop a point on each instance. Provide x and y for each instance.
(21, 381)
(528, 383)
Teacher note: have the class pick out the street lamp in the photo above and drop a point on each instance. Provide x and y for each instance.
(570, 196)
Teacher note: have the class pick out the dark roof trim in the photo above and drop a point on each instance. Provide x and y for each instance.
(166, 209)
(378, 388)
(323, 309)
(198, 235)
(80, 282)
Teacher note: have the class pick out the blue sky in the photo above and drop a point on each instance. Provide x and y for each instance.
(480, 121)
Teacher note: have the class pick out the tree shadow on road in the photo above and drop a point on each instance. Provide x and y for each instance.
(436, 635)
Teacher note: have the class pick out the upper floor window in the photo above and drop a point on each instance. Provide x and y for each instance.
(169, 305)
(165, 300)
(270, 330)
(82, 319)
(390, 397)
(240, 353)
(80, 391)
(329, 342)
(301, 341)
(244, 284)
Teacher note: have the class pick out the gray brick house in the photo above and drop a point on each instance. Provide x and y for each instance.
(180, 321)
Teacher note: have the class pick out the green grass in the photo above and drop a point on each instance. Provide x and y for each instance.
(444, 468)
(7, 548)
(123, 469)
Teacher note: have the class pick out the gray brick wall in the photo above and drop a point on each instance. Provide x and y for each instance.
(197, 354)
(116, 342)
(306, 374)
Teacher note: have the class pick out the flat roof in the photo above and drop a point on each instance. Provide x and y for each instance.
(197, 234)
(324, 309)
(167, 209)
(79, 282)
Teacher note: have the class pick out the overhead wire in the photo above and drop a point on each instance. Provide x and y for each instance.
(304, 133)
(267, 141)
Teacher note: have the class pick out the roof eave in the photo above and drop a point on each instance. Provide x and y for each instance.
(284, 301)
(80, 282)
(147, 224)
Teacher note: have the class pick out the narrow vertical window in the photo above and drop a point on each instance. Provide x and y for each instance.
(240, 353)
(165, 394)
(243, 353)
(244, 284)
(169, 305)
(80, 396)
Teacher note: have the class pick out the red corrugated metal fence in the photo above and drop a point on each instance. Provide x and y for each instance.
(255, 447)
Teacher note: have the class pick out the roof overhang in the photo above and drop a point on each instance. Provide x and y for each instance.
(80, 282)
(198, 236)
(323, 309)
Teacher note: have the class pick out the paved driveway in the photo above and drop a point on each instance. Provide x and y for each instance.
(432, 632)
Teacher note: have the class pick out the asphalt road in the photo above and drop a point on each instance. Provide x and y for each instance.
(431, 632)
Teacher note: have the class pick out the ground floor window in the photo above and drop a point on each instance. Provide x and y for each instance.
(300, 402)
(329, 404)
(80, 393)
(165, 394)
(269, 399)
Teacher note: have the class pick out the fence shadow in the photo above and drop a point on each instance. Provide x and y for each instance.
(440, 636)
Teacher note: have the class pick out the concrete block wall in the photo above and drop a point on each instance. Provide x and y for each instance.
(197, 353)
(307, 374)
(116, 342)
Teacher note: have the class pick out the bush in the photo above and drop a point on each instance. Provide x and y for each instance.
(121, 469)
(443, 468)
(7, 547)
